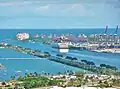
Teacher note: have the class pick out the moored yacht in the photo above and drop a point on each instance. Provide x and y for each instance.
(1, 66)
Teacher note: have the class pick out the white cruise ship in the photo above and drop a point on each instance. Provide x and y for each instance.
(22, 36)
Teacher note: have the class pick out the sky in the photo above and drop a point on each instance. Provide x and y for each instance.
(61, 14)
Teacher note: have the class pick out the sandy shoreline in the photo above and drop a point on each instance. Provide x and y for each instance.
(55, 87)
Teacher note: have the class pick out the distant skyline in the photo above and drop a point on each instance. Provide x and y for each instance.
(59, 14)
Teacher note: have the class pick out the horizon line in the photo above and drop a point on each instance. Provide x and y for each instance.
(55, 28)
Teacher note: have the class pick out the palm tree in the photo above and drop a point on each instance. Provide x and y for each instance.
(79, 81)
(59, 73)
(101, 85)
(97, 86)
(83, 84)
(13, 77)
(3, 84)
(45, 73)
(26, 74)
(36, 74)
(106, 83)
(85, 81)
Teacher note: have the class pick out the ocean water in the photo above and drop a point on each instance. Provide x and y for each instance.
(31, 66)
(8, 35)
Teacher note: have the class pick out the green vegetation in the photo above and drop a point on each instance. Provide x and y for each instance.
(116, 82)
(36, 80)
(41, 81)
(108, 67)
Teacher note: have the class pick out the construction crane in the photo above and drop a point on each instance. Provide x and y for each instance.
(116, 39)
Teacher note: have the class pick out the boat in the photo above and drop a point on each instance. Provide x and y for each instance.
(1, 66)
(2, 47)
(63, 47)
(17, 73)
(37, 36)
(23, 36)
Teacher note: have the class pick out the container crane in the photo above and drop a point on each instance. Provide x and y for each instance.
(106, 29)
(116, 29)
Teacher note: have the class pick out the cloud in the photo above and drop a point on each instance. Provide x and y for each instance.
(29, 2)
(101, 9)
(8, 3)
(43, 8)
(77, 10)
(17, 3)
(64, 10)
(58, 8)
(26, 2)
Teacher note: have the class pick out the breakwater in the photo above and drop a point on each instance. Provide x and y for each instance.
(75, 63)
(86, 65)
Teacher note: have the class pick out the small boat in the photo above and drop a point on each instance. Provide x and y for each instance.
(17, 73)
(33, 42)
(2, 47)
(26, 70)
(5, 74)
(37, 36)
(1, 66)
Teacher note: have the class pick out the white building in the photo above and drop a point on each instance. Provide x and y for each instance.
(63, 47)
